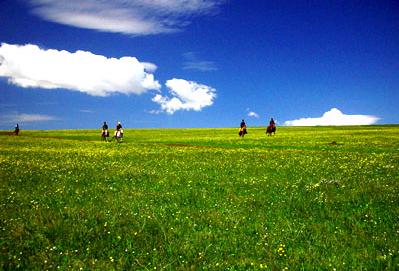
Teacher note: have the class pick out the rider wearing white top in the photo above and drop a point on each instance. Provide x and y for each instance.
(119, 131)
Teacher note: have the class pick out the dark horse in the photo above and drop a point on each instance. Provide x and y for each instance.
(271, 129)
(16, 131)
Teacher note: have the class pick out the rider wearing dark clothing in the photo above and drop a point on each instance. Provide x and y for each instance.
(243, 129)
(272, 123)
(119, 126)
(271, 128)
(105, 133)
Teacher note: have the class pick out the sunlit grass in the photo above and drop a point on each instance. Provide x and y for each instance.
(202, 199)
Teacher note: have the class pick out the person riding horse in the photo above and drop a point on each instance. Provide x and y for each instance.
(271, 128)
(272, 123)
(118, 135)
(16, 131)
(105, 132)
(243, 129)
(118, 126)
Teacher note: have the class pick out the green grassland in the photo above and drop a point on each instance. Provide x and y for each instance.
(324, 198)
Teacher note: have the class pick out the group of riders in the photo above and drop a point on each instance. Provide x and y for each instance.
(118, 134)
(271, 129)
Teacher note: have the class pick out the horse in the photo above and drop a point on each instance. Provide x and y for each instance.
(271, 129)
(118, 135)
(242, 131)
(104, 135)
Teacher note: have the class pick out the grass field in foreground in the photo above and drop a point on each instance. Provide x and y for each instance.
(322, 198)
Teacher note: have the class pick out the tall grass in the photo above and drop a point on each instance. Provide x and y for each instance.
(201, 199)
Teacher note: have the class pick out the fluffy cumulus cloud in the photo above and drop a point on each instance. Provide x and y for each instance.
(97, 75)
(334, 117)
(185, 95)
(253, 114)
(134, 17)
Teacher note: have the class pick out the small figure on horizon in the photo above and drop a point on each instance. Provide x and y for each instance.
(243, 129)
(105, 132)
(16, 131)
(271, 128)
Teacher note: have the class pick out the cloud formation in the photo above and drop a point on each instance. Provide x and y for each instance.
(334, 117)
(22, 118)
(186, 95)
(88, 111)
(30, 66)
(253, 114)
(133, 17)
(192, 62)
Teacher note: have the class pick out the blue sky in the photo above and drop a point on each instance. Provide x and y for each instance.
(68, 64)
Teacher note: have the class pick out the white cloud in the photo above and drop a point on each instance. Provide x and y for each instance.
(153, 112)
(192, 62)
(186, 95)
(97, 75)
(21, 118)
(134, 17)
(253, 114)
(149, 67)
(86, 111)
(203, 66)
(334, 117)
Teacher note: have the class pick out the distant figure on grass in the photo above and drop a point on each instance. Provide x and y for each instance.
(118, 134)
(16, 130)
(104, 132)
(243, 129)
(271, 128)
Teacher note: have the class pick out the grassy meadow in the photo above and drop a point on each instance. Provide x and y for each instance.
(316, 198)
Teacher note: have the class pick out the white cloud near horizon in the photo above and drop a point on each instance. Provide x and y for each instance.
(334, 117)
(253, 114)
(29, 66)
(132, 17)
(186, 95)
(21, 118)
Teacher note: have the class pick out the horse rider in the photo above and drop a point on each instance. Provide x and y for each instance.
(243, 125)
(118, 126)
(243, 128)
(105, 132)
(119, 130)
(271, 128)
(16, 131)
(272, 123)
